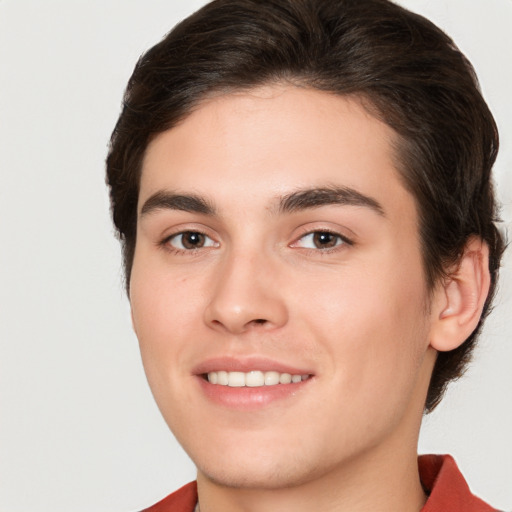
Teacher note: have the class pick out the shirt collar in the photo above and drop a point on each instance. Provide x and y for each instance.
(446, 486)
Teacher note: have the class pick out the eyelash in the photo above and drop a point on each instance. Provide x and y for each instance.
(341, 241)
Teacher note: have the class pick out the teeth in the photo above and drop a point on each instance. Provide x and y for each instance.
(236, 379)
(285, 378)
(253, 379)
(222, 378)
(271, 378)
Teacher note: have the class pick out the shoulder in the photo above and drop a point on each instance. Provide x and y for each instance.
(182, 500)
(446, 486)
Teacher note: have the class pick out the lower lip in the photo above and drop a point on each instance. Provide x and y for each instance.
(247, 398)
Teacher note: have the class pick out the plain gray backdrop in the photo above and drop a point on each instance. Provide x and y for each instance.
(79, 430)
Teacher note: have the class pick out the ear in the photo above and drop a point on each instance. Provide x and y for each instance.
(459, 300)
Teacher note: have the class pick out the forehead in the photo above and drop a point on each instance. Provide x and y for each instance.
(271, 140)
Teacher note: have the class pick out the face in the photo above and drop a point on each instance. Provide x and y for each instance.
(276, 243)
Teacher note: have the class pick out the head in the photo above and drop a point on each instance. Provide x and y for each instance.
(399, 67)
(375, 72)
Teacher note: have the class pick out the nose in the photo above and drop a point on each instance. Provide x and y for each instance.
(247, 294)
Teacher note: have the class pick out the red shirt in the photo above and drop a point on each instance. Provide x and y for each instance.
(448, 491)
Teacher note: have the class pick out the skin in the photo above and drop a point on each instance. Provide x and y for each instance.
(357, 315)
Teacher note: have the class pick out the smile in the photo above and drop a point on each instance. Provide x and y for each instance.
(253, 379)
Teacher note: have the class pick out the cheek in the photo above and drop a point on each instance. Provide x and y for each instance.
(162, 298)
(371, 324)
(165, 315)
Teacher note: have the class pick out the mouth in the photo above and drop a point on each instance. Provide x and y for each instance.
(250, 383)
(253, 378)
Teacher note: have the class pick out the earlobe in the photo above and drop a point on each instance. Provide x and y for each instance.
(461, 298)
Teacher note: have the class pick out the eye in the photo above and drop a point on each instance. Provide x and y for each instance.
(190, 240)
(321, 240)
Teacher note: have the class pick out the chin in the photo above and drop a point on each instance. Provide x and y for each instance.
(270, 466)
(272, 475)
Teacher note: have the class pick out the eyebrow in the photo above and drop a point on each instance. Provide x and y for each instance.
(163, 200)
(303, 199)
(317, 197)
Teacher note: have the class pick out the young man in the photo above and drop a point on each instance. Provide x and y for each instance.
(302, 189)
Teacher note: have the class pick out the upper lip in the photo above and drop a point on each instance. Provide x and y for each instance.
(247, 364)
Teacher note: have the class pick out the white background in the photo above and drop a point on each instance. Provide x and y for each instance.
(79, 430)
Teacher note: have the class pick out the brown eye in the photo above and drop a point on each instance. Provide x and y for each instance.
(322, 240)
(190, 240)
(325, 240)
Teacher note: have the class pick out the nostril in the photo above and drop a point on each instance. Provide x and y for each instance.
(260, 321)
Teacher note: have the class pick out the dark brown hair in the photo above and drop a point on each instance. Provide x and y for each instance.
(406, 70)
